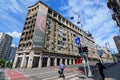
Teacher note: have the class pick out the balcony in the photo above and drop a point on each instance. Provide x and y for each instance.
(62, 30)
(113, 17)
(110, 4)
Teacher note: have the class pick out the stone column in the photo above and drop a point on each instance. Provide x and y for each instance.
(30, 61)
(40, 61)
(70, 61)
(55, 61)
(15, 60)
(73, 61)
(48, 62)
(66, 62)
(60, 60)
(23, 63)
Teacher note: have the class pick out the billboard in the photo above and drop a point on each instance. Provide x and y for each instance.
(39, 30)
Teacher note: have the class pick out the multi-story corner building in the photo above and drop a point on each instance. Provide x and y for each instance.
(5, 42)
(114, 5)
(48, 38)
(117, 42)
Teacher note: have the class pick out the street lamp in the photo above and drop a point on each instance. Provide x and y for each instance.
(78, 22)
(85, 56)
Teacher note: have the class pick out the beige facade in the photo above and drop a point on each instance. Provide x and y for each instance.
(48, 38)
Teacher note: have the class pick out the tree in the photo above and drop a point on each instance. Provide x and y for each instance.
(2, 62)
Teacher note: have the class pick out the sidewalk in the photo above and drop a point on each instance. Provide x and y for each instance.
(109, 68)
(14, 75)
(2, 76)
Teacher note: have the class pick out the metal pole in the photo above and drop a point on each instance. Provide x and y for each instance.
(84, 62)
(88, 66)
(89, 70)
(84, 67)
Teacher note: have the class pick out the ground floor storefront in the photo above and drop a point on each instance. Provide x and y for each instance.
(44, 59)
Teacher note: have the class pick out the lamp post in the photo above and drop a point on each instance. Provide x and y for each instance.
(85, 56)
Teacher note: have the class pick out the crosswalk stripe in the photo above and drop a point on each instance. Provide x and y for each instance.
(76, 78)
(40, 73)
(68, 76)
(55, 77)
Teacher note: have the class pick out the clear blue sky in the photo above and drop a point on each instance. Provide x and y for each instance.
(94, 14)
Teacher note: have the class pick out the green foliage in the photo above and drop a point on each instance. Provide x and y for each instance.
(8, 64)
(2, 62)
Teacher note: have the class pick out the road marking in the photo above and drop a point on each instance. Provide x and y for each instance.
(76, 78)
(68, 76)
(55, 77)
(41, 73)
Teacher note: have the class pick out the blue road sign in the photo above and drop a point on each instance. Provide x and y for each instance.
(100, 53)
(77, 40)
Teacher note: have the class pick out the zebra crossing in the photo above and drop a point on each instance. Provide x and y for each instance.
(68, 76)
(52, 74)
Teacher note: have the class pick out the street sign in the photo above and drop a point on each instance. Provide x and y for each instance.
(100, 53)
(77, 40)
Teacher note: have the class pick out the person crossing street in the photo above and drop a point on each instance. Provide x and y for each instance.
(61, 72)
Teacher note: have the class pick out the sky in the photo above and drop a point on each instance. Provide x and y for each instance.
(95, 17)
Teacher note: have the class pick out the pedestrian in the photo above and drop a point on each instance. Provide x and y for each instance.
(61, 71)
(0, 66)
(101, 67)
(114, 59)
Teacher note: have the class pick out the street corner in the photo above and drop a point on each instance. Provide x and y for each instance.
(14, 75)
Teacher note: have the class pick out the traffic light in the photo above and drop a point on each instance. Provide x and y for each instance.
(80, 50)
(83, 49)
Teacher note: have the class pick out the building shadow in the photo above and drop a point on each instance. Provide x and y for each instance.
(96, 75)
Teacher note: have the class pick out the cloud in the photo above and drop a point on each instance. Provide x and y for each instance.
(14, 34)
(12, 5)
(95, 17)
(14, 45)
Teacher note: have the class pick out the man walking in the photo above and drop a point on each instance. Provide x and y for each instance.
(62, 70)
(101, 67)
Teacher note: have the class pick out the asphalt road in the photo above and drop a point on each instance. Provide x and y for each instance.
(112, 72)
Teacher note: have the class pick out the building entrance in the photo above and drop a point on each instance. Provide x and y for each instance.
(72, 61)
(52, 62)
(35, 62)
(63, 61)
(44, 62)
(58, 61)
(18, 61)
(68, 61)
